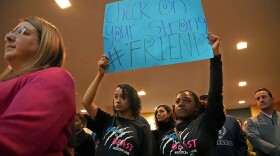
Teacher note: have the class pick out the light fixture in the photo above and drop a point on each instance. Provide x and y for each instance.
(241, 102)
(242, 83)
(241, 45)
(83, 111)
(63, 3)
(141, 93)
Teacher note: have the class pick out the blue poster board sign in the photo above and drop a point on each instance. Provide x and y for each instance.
(147, 33)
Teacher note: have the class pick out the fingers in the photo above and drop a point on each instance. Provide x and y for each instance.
(103, 62)
(213, 38)
(215, 42)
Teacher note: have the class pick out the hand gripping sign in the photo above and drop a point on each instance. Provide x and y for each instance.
(147, 33)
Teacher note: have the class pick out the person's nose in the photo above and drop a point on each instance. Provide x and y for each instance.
(118, 100)
(181, 103)
(10, 37)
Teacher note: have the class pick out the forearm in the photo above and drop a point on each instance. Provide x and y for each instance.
(258, 142)
(89, 96)
(215, 100)
(264, 146)
(216, 79)
(214, 110)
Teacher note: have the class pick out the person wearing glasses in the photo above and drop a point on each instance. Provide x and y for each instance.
(123, 133)
(37, 96)
(263, 130)
(196, 133)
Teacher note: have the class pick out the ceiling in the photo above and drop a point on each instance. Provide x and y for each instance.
(254, 21)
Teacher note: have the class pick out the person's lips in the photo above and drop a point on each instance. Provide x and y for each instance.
(181, 110)
(117, 106)
(9, 46)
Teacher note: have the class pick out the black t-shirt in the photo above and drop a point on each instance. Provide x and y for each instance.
(200, 135)
(163, 128)
(85, 144)
(121, 137)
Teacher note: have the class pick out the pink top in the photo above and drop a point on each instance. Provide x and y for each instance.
(36, 113)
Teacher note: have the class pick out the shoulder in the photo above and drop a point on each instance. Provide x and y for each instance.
(251, 119)
(143, 120)
(230, 117)
(54, 72)
(102, 117)
(55, 75)
(138, 123)
(255, 119)
(155, 132)
(144, 128)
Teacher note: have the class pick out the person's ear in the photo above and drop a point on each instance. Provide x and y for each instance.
(169, 114)
(197, 110)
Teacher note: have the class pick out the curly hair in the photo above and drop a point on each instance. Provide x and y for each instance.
(133, 99)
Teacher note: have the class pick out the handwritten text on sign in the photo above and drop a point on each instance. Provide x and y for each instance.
(146, 33)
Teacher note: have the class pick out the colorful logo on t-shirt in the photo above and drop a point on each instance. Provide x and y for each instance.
(170, 145)
(119, 139)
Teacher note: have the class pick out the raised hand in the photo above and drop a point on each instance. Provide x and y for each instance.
(215, 42)
(102, 64)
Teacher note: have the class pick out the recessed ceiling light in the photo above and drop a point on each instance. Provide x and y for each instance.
(141, 93)
(242, 83)
(241, 102)
(83, 111)
(241, 45)
(63, 3)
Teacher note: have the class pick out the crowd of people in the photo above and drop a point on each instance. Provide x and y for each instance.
(37, 105)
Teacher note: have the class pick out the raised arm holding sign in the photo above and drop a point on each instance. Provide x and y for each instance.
(144, 33)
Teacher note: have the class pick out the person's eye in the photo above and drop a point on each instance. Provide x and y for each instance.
(25, 32)
(123, 97)
(19, 30)
(187, 100)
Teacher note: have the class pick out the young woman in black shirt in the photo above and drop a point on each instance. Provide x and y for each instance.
(197, 132)
(121, 134)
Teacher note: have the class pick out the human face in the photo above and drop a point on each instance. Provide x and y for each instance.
(121, 103)
(203, 102)
(240, 123)
(21, 46)
(185, 107)
(78, 123)
(162, 114)
(263, 100)
(245, 125)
